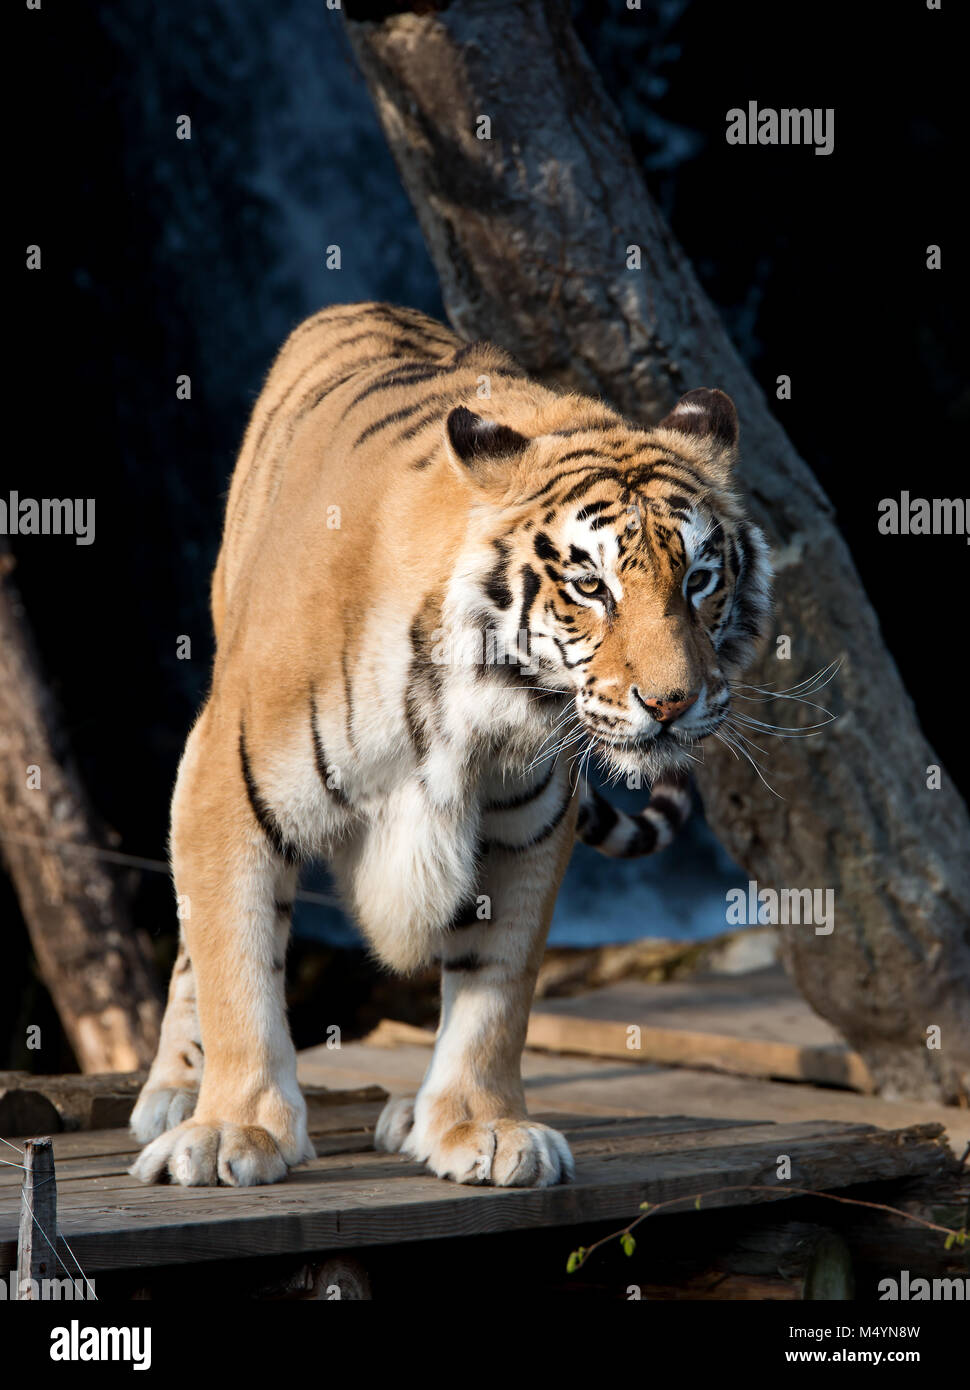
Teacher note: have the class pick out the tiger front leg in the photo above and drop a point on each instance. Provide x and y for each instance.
(171, 1090)
(469, 1121)
(249, 1121)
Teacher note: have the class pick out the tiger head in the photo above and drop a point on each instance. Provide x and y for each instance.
(621, 570)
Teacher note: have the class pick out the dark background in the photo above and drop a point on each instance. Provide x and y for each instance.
(163, 257)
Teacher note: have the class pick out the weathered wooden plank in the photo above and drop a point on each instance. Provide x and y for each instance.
(111, 1143)
(88, 1184)
(107, 1143)
(746, 1033)
(37, 1235)
(117, 1147)
(77, 1175)
(750, 1025)
(106, 1100)
(95, 1193)
(587, 1135)
(832, 1065)
(361, 1199)
(365, 1216)
(88, 1179)
(593, 1086)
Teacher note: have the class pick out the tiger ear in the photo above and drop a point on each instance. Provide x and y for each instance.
(707, 414)
(479, 447)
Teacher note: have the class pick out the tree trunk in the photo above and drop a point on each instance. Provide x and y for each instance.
(530, 230)
(98, 969)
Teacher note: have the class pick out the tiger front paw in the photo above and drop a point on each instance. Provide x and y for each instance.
(207, 1155)
(502, 1152)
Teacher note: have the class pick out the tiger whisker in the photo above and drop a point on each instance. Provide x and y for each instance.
(560, 722)
(555, 752)
(779, 731)
(573, 784)
(824, 673)
(737, 750)
(810, 686)
(743, 738)
(785, 728)
(565, 741)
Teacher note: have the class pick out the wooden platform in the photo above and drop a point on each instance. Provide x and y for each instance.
(353, 1197)
(583, 1085)
(742, 1055)
(754, 1024)
(751, 1025)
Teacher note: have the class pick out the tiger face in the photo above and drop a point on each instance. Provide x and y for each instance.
(633, 580)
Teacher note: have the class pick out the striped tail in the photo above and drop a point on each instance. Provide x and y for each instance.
(613, 832)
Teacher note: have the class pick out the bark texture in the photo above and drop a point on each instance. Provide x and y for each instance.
(97, 967)
(529, 230)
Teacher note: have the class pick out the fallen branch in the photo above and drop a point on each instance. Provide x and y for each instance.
(579, 1257)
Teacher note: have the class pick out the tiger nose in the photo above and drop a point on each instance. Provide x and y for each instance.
(666, 711)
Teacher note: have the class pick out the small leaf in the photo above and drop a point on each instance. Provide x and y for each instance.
(575, 1260)
(644, 1206)
(628, 1243)
(697, 1204)
(950, 1241)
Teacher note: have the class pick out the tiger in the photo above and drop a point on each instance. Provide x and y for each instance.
(442, 590)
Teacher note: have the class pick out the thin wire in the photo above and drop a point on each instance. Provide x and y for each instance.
(78, 1263)
(158, 866)
(59, 1234)
(110, 855)
(12, 1146)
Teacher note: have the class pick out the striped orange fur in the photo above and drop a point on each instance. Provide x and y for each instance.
(442, 590)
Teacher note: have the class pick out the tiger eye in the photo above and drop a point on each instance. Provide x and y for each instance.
(589, 585)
